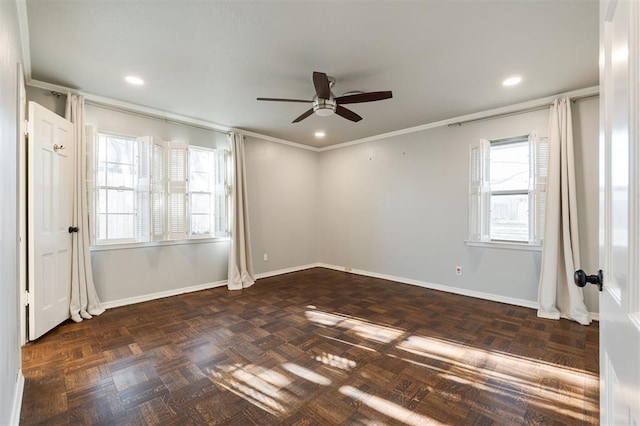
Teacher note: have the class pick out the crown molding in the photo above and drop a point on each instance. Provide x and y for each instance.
(491, 113)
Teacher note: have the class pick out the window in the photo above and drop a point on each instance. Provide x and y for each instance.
(116, 188)
(507, 190)
(151, 190)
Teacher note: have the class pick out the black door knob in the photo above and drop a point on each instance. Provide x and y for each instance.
(581, 278)
(73, 229)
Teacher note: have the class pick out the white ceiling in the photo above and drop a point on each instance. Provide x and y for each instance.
(211, 59)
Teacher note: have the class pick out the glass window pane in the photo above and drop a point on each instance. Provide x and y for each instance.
(120, 201)
(102, 174)
(102, 148)
(200, 203)
(121, 150)
(510, 217)
(200, 181)
(200, 160)
(120, 175)
(120, 226)
(102, 201)
(509, 166)
(200, 224)
(102, 227)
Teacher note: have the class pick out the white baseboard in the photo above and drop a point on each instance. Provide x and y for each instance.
(17, 400)
(440, 287)
(461, 291)
(287, 270)
(160, 295)
(455, 290)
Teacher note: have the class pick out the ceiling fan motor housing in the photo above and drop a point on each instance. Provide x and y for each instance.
(324, 107)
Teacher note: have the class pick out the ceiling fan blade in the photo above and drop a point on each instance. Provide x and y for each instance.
(321, 83)
(303, 116)
(364, 97)
(347, 113)
(283, 100)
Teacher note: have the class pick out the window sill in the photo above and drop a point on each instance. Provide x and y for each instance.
(126, 246)
(504, 245)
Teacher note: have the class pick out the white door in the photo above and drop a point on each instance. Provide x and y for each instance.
(50, 206)
(619, 213)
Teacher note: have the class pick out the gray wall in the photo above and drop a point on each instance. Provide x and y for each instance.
(282, 184)
(126, 273)
(282, 191)
(396, 207)
(399, 207)
(10, 56)
(135, 272)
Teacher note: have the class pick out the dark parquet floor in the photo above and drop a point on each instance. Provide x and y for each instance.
(316, 347)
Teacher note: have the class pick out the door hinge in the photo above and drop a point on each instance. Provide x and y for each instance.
(27, 298)
(25, 128)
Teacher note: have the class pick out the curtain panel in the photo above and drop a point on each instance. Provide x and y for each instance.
(84, 302)
(558, 296)
(240, 263)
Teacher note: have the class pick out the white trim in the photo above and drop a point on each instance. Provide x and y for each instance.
(16, 407)
(463, 292)
(127, 106)
(515, 108)
(161, 294)
(287, 270)
(23, 25)
(593, 90)
(280, 141)
(448, 289)
(504, 245)
(127, 246)
(439, 287)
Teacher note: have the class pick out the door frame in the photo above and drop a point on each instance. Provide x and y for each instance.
(22, 202)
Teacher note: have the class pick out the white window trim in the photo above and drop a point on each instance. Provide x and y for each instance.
(137, 245)
(504, 245)
(96, 245)
(480, 195)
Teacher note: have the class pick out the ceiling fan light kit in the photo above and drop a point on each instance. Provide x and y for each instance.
(324, 107)
(324, 103)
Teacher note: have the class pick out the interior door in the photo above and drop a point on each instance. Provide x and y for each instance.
(50, 206)
(619, 213)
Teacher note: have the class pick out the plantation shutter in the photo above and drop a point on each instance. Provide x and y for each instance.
(158, 170)
(143, 190)
(479, 191)
(221, 193)
(539, 164)
(177, 191)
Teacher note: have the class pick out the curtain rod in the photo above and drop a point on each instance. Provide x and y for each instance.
(521, 111)
(142, 114)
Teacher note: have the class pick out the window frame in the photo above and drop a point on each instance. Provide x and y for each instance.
(96, 196)
(506, 192)
(159, 192)
(480, 193)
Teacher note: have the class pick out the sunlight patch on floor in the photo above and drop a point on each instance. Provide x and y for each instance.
(336, 361)
(307, 374)
(388, 408)
(367, 330)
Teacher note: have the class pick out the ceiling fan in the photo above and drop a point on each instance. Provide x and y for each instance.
(325, 103)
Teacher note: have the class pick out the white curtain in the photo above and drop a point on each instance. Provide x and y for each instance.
(240, 263)
(84, 300)
(558, 296)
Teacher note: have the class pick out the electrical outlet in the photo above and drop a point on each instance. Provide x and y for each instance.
(458, 270)
(265, 257)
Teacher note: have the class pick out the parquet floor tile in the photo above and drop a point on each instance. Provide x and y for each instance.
(316, 347)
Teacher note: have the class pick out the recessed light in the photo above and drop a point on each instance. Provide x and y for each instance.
(511, 81)
(136, 81)
(320, 134)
